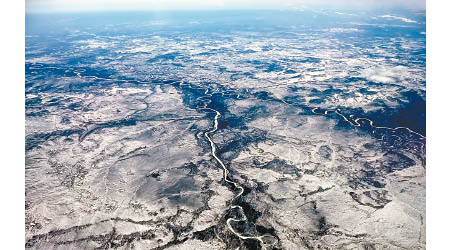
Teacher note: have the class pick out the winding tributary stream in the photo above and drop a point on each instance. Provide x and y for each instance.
(235, 185)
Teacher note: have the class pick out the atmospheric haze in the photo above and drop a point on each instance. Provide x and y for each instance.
(153, 5)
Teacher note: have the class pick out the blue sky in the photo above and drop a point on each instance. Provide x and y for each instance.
(105, 5)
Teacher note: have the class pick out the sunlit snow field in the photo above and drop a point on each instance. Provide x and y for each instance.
(225, 129)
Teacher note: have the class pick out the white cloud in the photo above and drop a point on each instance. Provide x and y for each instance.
(406, 20)
(42, 59)
(94, 44)
(341, 30)
(385, 74)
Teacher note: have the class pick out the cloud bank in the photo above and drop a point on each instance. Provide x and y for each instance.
(114, 5)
